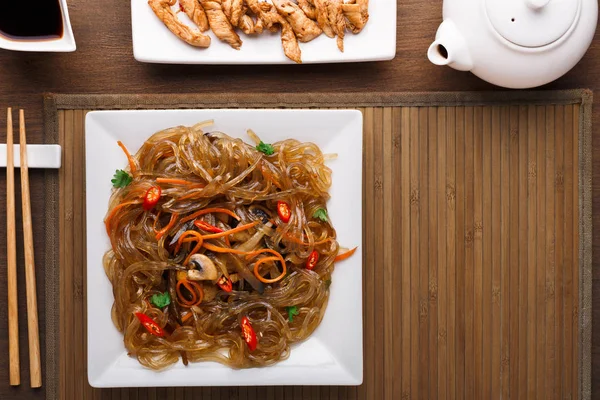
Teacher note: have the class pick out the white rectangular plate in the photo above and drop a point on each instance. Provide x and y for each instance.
(154, 43)
(333, 355)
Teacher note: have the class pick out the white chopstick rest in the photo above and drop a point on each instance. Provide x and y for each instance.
(38, 156)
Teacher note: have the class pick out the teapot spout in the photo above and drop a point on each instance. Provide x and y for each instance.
(450, 48)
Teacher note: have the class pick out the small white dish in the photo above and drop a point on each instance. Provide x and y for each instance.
(154, 43)
(66, 43)
(333, 355)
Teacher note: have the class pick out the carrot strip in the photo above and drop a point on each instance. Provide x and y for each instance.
(194, 250)
(198, 287)
(218, 249)
(264, 260)
(183, 239)
(208, 211)
(186, 317)
(343, 256)
(257, 252)
(114, 211)
(132, 166)
(197, 237)
(278, 257)
(227, 242)
(192, 287)
(177, 181)
(231, 231)
(181, 298)
(164, 230)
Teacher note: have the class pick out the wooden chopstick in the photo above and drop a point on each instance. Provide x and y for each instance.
(35, 368)
(11, 254)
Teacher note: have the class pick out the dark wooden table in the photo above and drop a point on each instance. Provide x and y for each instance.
(104, 63)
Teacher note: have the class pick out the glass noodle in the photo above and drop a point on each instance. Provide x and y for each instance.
(201, 171)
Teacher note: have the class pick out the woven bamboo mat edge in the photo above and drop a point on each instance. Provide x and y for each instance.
(295, 100)
(54, 102)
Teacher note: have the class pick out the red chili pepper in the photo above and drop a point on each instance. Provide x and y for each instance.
(205, 226)
(152, 197)
(312, 260)
(225, 284)
(283, 209)
(150, 325)
(248, 333)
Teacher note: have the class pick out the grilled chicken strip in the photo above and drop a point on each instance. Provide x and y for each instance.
(291, 48)
(194, 10)
(305, 28)
(337, 21)
(322, 12)
(357, 14)
(364, 8)
(237, 11)
(271, 20)
(249, 26)
(308, 7)
(264, 12)
(353, 17)
(226, 6)
(220, 24)
(162, 9)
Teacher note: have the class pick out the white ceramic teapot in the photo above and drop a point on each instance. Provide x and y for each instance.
(514, 43)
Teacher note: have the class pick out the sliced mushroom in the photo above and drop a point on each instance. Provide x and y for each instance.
(202, 268)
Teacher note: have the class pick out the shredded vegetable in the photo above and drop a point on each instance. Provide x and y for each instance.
(220, 248)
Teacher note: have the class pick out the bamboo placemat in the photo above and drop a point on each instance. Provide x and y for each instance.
(477, 244)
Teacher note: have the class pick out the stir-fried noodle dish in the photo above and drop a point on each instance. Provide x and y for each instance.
(220, 250)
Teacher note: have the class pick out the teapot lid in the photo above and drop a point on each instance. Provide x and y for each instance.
(532, 23)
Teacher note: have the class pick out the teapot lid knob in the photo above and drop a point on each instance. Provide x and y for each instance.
(536, 4)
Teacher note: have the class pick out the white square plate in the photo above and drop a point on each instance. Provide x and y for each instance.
(333, 355)
(154, 43)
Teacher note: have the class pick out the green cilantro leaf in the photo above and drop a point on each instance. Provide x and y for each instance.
(121, 179)
(321, 214)
(161, 300)
(293, 310)
(327, 283)
(265, 148)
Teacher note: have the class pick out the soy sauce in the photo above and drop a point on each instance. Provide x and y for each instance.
(31, 20)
